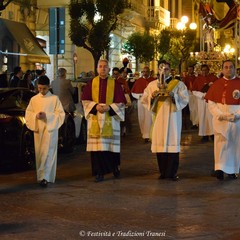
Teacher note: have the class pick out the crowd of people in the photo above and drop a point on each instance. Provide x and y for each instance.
(20, 79)
(108, 100)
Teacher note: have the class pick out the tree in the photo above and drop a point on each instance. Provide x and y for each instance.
(91, 23)
(142, 46)
(164, 43)
(175, 45)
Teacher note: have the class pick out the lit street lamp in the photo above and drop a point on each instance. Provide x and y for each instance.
(182, 24)
(193, 26)
(186, 39)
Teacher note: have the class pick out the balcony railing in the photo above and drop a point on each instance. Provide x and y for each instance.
(158, 14)
(174, 22)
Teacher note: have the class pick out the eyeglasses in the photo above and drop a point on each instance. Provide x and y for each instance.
(167, 69)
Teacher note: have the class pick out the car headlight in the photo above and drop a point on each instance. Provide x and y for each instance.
(4, 118)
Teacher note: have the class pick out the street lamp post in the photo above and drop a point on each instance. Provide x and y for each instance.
(187, 35)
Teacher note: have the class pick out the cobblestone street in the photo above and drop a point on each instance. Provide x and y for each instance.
(136, 206)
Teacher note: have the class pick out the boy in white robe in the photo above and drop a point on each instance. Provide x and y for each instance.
(44, 116)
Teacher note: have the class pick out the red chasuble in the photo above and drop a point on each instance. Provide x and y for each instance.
(225, 91)
(189, 80)
(141, 84)
(200, 81)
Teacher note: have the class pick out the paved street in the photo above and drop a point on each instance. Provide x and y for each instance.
(136, 206)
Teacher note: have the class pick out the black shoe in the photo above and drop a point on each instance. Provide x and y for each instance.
(213, 173)
(175, 178)
(99, 178)
(232, 176)
(204, 139)
(219, 174)
(44, 183)
(146, 140)
(116, 173)
(161, 177)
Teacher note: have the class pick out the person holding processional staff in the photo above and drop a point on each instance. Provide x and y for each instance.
(166, 97)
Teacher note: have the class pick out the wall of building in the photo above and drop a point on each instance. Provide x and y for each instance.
(38, 22)
(17, 13)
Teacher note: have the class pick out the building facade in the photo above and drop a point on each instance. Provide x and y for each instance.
(143, 15)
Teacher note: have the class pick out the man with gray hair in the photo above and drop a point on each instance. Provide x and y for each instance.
(64, 90)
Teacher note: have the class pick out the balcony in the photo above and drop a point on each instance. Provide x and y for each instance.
(157, 16)
(174, 22)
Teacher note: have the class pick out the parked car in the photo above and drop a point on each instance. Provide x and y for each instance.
(16, 140)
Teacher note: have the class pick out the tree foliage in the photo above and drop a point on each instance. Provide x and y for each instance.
(142, 46)
(91, 23)
(175, 45)
(164, 43)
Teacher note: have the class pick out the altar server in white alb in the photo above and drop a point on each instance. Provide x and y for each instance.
(44, 116)
(166, 98)
(224, 104)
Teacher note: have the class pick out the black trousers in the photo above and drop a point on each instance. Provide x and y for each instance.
(168, 164)
(104, 162)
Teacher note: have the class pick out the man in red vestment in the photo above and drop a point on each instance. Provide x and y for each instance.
(121, 77)
(144, 115)
(192, 104)
(224, 104)
(200, 87)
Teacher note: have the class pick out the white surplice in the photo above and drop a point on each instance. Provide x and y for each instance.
(226, 138)
(204, 117)
(193, 108)
(144, 117)
(45, 133)
(166, 130)
(111, 144)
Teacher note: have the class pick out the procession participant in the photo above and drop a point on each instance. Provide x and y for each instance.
(224, 104)
(44, 116)
(144, 115)
(166, 98)
(104, 103)
(188, 81)
(199, 89)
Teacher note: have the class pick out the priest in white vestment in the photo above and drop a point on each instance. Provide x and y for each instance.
(104, 108)
(224, 104)
(166, 98)
(44, 116)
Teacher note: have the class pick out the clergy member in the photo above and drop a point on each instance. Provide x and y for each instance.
(199, 89)
(44, 116)
(144, 115)
(104, 103)
(166, 99)
(224, 104)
